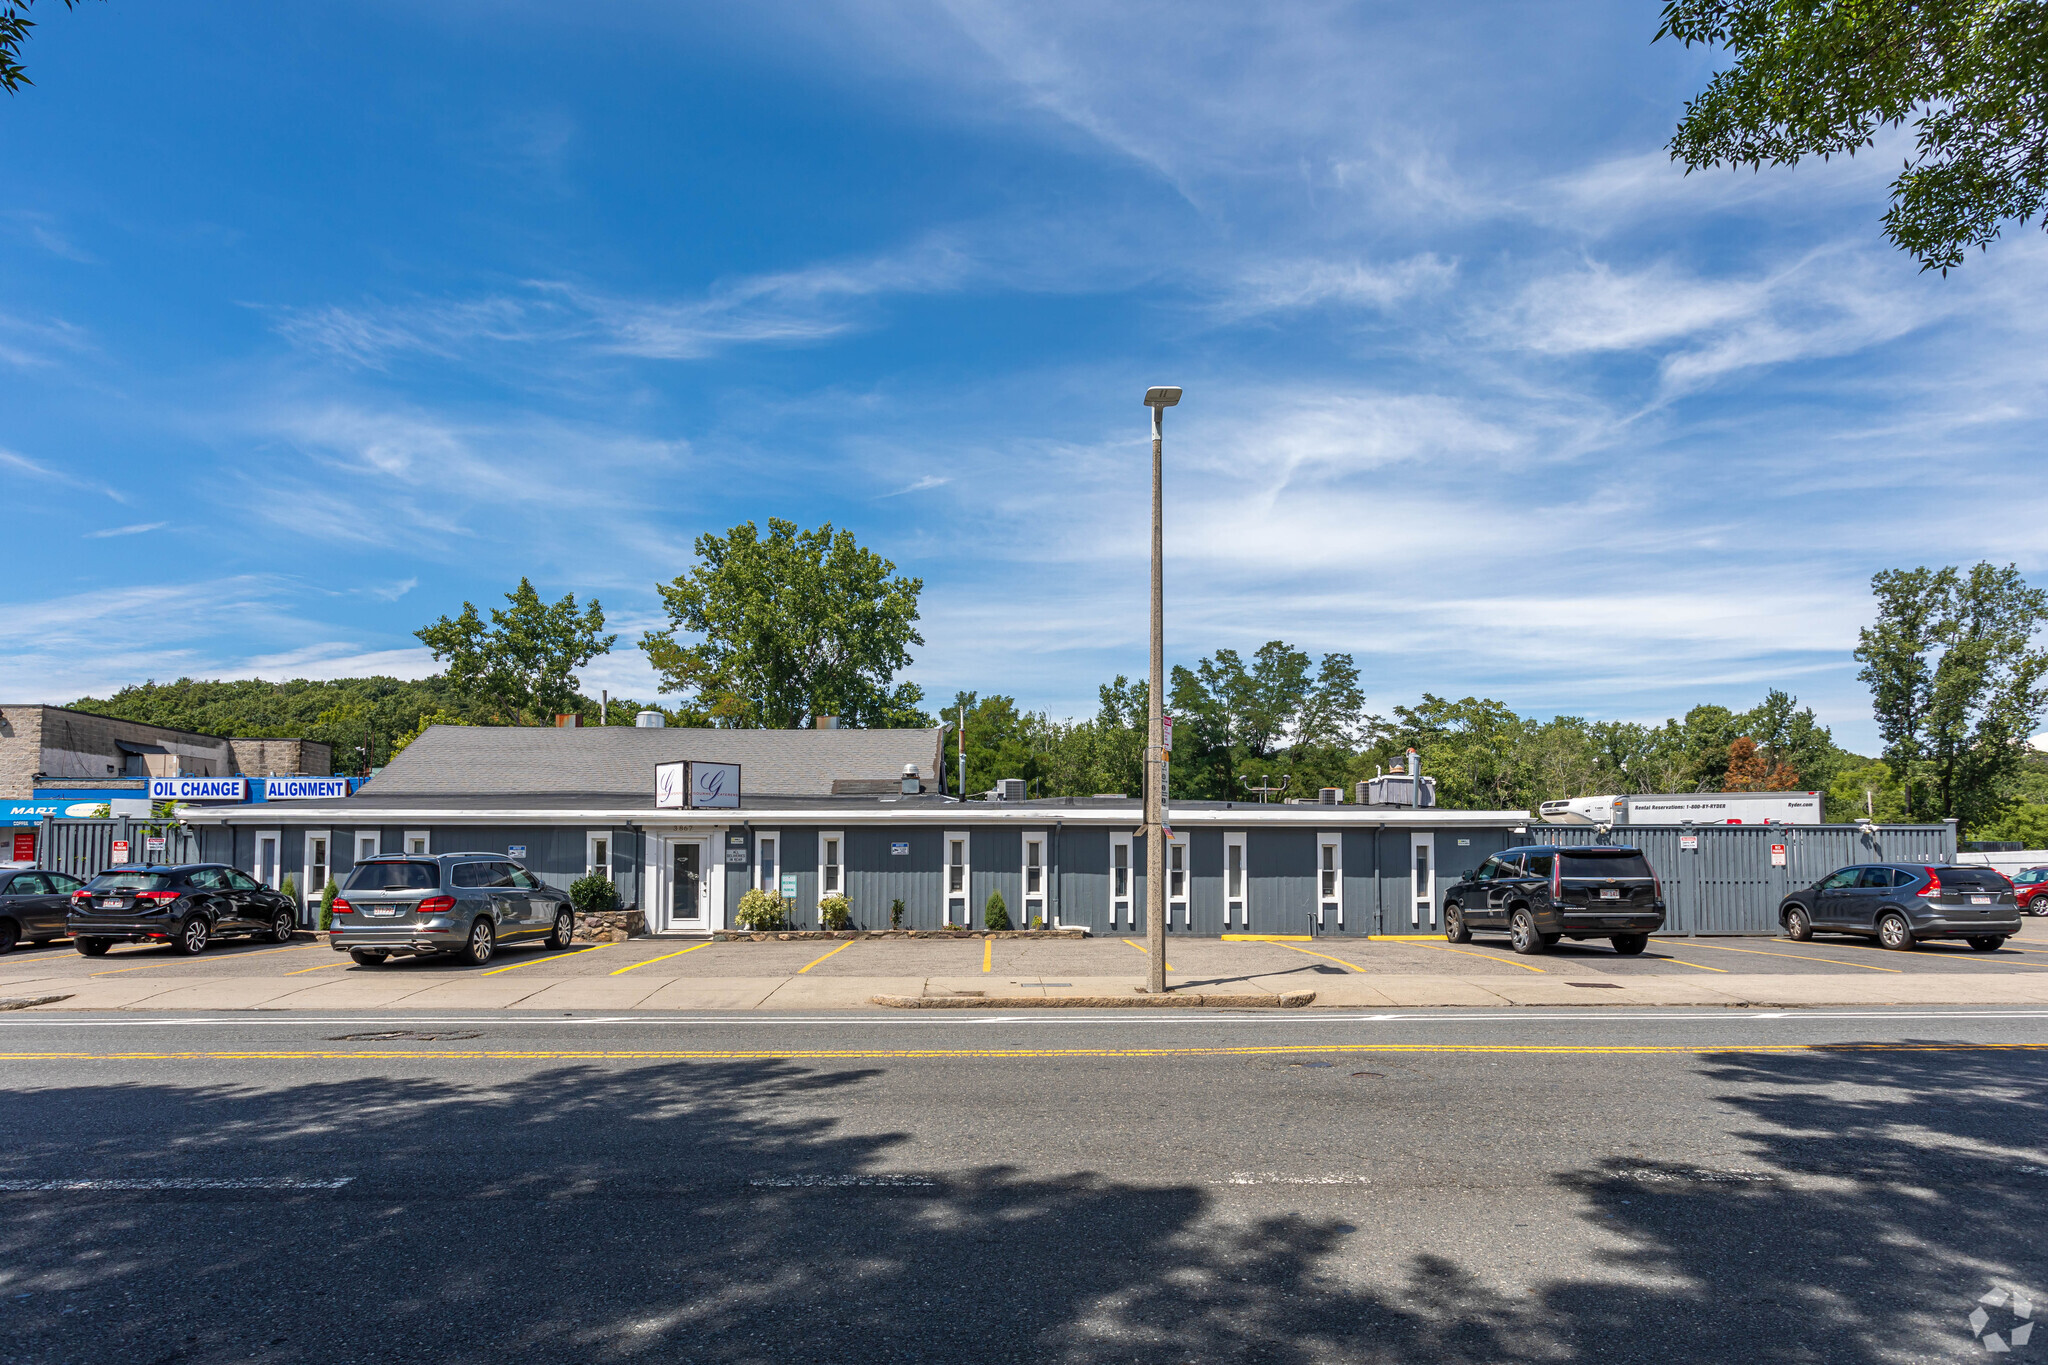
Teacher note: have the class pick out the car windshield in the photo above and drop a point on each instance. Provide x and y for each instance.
(129, 881)
(1586, 863)
(394, 877)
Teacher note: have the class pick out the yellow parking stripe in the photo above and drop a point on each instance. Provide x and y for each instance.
(1833, 962)
(663, 958)
(816, 960)
(1348, 966)
(323, 967)
(988, 954)
(1489, 957)
(1683, 963)
(1146, 951)
(536, 961)
(1008, 1054)
(1404, 938)
(1269, 938)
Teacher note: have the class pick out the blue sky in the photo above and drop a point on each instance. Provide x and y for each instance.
(317, 319)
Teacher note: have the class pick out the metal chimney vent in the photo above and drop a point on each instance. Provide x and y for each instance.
(911, 786)
(650, 720)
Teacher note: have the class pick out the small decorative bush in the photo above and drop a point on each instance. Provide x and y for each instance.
(290, 888)
(1038, 921)
(835, 913)
(995, 914)
(594, 894)
(762, 910)
(896, 914)
(327, 895)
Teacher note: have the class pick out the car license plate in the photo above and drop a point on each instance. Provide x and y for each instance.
(385, 910)
(1980, 900)
(1610, 895)
(109, 903)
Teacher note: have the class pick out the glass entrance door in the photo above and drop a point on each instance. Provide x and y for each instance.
(689, 888)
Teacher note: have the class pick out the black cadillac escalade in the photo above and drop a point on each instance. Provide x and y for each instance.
(1541, 893)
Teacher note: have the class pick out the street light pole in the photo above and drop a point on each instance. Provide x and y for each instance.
(1159, 399)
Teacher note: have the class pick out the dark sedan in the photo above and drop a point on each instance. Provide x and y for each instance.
(186, 906)
(1902, 904)
(32, 905)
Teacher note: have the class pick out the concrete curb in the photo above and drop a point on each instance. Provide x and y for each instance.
(1292, 1000)
(29, 1002)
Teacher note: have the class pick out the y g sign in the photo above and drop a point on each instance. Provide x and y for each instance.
(697, 786)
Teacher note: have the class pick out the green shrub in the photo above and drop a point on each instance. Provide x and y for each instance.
(594, 894)
(1038, 921)
(290, 888)
(762, 910)
(896, 914)
(835, 913)
(996, 915)
(327, 895)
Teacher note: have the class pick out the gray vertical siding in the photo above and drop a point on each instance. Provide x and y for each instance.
(1280, 866)
(996, 857)
(875, 877)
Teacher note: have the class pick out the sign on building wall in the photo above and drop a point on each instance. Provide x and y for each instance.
(304, 788)
(24, 846)
(198, 788)
(900, 849)
(515, 850)
(697, 786)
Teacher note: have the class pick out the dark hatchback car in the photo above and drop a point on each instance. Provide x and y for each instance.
(186, 906)
(32, 905)
(1901, 904)
(1541, 893)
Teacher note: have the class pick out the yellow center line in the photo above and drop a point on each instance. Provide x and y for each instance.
(663, 958)
(1802, 957)
(1486, 957)
(816, 960)
(988, 954)
(1351, 966)
(1147, 951)
(535, 962)
(982, 1054)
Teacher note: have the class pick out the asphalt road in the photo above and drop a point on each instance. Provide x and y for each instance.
(1461, 1186)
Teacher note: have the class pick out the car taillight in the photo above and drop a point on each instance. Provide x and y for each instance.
(1657, 884)
(1556, 879)
(342, 907)
(437, 905)
(156, 895)
(81, 897)
(1933, 887)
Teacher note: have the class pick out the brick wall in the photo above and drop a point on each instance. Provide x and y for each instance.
(283, 757)
(21, 750)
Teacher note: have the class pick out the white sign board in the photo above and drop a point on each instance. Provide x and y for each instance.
(304, 788)
(120, 851)
(697, 786)
(515, 850)
(1777, 855)
(154, 843)
(198, 788)
(1689, 841)
(900, 849)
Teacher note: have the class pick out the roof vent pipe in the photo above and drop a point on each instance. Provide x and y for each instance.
(911, 786)
(828, 722)
(650, 720)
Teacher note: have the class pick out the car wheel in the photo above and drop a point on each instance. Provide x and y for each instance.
(1455, 928)
(192, 936)
(91, 947)
(1894, 932)
(10, 934)
(283, 926)
(483, 941)
(1630, 944)
(565, 930)
(1798, 927)
(1522, 935)
(363, 957)
(1988, 943)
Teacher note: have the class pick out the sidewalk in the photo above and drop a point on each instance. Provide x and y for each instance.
(798, 992)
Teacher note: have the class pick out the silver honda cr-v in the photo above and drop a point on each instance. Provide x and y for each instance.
(468, 904)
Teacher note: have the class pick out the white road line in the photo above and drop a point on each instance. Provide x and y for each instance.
(841, 1182)
(1273, 1178)
(248, 1182)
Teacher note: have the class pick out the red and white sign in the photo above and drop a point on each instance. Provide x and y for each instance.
(24, 846)
(1777, 855)
(1689, 841)
(120, 851)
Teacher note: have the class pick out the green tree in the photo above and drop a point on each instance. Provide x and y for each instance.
(1956, 684)
(1866, 789)
(799, 625)
(520, 667)
(14, 29)
(1276, 715)
(1820, 79)
(1791, 737)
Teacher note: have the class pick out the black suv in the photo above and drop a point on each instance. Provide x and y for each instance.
(1541, 893)
(1900, 904)
(32, 905)
(186, 906)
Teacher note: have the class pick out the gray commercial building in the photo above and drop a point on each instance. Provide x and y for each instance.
(863, 813)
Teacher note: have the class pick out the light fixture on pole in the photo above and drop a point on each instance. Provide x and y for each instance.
(1158, 398)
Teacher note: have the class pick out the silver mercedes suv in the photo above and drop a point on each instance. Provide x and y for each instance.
(468, 904)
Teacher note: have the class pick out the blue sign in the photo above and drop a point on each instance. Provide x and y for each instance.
(199, 789)
(515, 850)
(304, 788)
(900, 850)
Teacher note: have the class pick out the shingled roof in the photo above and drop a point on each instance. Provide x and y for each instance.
(618, 760)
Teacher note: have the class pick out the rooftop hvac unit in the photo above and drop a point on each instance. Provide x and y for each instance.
(1330, 796)
(1010, 789)
(650, 720)
(1397, 789)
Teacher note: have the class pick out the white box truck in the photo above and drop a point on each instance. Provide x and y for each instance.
(1701, 808)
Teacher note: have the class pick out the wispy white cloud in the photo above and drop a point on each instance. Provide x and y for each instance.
(134, 530)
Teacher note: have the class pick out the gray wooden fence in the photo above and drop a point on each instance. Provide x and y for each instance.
(1729, 882)
(85, 848)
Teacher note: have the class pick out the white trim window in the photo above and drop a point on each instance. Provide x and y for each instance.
(597, 853)
(1422, 880)
(831, 864)
(1123, 882)
(767, 861)
(959, 878)
(269, 866)
(1237, 885)
(418, 841)
(1035, 872)
(1329, 880)
(318, 866)
(1177, 881)
(369, 843)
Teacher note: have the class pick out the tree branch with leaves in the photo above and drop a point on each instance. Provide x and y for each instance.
(521, 666)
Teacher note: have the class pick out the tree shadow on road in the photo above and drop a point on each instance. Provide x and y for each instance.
(711, 1211)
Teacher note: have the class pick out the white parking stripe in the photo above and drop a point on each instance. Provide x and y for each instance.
(249, 1182)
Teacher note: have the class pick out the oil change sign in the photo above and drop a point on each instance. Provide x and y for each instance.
(198, 788)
